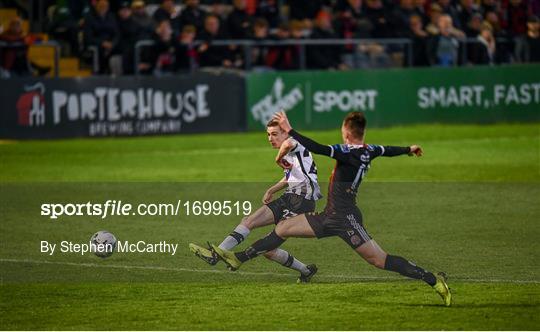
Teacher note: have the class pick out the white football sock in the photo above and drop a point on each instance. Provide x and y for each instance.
(239, 234)
(284, 258)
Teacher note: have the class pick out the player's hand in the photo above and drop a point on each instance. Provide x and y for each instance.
(267, 198)
(284, 163)
(416, 150)
(283, 121)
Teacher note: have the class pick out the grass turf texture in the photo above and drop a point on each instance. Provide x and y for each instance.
(469, 207)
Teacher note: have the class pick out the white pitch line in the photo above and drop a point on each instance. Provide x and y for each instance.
(161, 268)
(337, 276)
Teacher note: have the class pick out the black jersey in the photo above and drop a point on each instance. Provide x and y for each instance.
(352, 164)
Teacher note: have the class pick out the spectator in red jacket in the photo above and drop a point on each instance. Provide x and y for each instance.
(14, 56)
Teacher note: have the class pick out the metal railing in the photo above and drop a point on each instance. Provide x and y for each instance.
(302, 43)
(51, 43)
(95, 58)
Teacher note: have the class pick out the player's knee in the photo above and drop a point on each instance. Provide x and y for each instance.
(281, 230)
(270, 254)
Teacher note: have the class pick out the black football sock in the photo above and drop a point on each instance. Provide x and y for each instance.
(267, 243)
(408, 269)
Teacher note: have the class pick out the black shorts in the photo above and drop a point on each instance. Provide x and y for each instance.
(290, 205)
(347, 226)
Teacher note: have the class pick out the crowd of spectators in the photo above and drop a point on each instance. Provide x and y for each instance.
(496, 31)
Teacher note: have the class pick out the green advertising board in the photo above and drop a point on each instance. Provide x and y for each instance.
(319, 99)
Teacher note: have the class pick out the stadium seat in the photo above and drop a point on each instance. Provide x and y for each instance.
(42, 55)
(7, 14)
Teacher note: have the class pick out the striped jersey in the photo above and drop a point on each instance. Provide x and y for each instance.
(302, 176)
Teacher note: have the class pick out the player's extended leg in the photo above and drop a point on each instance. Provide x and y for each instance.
(374, 255)
(286, 259)
(262, 217)
(296, 226)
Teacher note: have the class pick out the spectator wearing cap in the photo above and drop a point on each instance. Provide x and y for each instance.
(101, 30)
(144, 22)
(324, 56)
(192, 14)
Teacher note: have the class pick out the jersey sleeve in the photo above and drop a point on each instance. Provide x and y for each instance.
(295, 145)
(343, 153)
(338, 151)
(375, 150)
(310, 144)
(387, 151)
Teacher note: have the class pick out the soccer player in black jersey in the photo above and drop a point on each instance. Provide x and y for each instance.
(341, 215)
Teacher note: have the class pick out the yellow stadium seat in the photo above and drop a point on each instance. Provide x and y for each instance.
(42, 55)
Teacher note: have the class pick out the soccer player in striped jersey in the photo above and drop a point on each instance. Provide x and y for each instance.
(341, 216)
(302, 190)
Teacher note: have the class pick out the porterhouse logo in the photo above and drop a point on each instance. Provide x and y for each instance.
(275, 101)
(31, 106)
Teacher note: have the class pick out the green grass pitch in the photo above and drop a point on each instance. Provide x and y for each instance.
(469, 207)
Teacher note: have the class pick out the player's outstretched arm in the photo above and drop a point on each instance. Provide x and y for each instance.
(267, 198)
(392, 151)
(308, 143)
